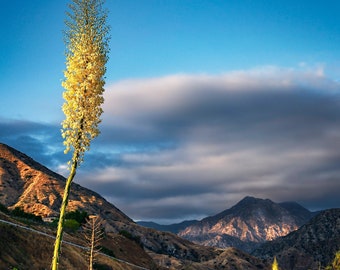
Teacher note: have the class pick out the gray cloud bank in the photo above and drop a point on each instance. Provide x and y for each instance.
(187, 146)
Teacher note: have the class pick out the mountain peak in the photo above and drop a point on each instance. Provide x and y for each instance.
(9, 154)
(252, 220)
(7, 151)
(249, 200)
(27, 184)
(250, 206)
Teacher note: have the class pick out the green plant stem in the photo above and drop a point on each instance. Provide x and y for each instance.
(58, 240)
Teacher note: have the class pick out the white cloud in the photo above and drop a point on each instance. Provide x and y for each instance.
(195, 144)
(191, 145)
(205, 141)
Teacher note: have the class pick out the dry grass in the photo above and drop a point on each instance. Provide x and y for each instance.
(27, 250)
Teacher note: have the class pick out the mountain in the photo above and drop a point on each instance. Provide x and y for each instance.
(31, 186)
(249, 223)
(173, 228)
(228, 259)
(311, 246)
(301, 214)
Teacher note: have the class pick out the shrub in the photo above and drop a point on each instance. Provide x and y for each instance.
(80, 217)
(71, 224)
(98, 266)
(134, 238)
(107, 251)
(4, 209)
(18, 212)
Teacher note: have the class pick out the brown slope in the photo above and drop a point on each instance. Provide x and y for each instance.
(25, 249)
(27, 184)
(228, 259)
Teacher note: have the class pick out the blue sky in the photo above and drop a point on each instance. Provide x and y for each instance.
(206, 102)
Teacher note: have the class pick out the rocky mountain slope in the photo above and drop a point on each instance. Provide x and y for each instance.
(229, 259)
(36, 189)
(247, 224)
(27, 184)
(311, 246)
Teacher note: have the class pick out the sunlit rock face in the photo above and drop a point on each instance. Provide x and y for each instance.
(312, 246)
(29, 185)
(248, 223)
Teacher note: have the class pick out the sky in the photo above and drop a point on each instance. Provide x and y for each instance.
(206, 102)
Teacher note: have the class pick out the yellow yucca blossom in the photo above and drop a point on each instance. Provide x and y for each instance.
(86, 56)
(275, 265)
(83, 94)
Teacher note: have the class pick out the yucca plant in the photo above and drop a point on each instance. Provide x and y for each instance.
(86, 56)
(275, 265)
(335, 265)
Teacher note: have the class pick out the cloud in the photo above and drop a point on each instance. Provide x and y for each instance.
(187, 146)
(202, 142)
(171, 107)
(41, 141)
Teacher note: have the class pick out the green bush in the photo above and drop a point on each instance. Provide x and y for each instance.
(134, 238)
(126, 234)
(80, 217)
(107, 251)
(71, 224)
(98, 266)
(18, 212)
(4, 209)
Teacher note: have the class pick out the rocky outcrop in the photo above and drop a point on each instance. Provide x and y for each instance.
(248, 223)
(311, 246)
(27, 184)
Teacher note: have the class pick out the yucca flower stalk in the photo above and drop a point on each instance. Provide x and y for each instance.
(86, 56)
(275, 265)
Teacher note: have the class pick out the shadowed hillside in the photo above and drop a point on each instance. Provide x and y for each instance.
(311, 246)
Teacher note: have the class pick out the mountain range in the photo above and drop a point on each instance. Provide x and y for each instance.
(246, 225)
(34, 188)
(249, 225)
(311, 246)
